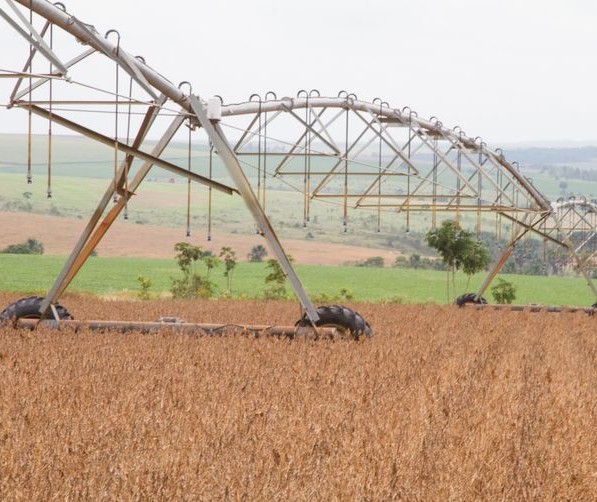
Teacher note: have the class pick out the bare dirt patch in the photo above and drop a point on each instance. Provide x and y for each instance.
(59, 235)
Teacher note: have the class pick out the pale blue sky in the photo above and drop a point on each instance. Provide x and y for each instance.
(509, 70)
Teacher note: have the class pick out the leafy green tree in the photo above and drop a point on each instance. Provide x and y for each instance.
(257, 254)
(187, 255)
(276, 280)
(229, 258)
(211, 262)
(458, 249)
(475, 260)
(192, 284)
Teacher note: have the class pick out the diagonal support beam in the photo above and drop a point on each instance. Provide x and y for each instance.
(58, 119)
(92, 234)
(230, 160)
(505, 255)
(34, 38)
(16, 96)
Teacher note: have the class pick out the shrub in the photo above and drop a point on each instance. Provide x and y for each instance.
(257, 254)
(276, 279)
(30, 246)
(145, 283)
(373, 261)
(229, 258)
(192, 284)
(503, 291)
(323, 298)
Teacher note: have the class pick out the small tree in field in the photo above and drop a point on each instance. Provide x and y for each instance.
(144, 283)
(211, 262)
(258, 253)
(276, 279)
(229, 258)
(192, 284)
(458, 249)
(475, 260)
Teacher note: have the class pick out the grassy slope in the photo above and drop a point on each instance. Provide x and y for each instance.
(35, 274)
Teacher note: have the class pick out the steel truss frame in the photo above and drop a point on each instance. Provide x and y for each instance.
(357, 154)
(574, 221)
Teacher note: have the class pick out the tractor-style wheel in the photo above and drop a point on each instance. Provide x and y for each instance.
(470, 298)
(343, 318)
(28, 308)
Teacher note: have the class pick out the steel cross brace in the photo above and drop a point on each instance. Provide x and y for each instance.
(34, 38)
(129, 150)
(93, 232)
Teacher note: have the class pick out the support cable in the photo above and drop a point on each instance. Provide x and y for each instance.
(411, 136)
(479, 186)
(51, 103)
(306, 138)
(434, 184)
(209, 191)
(459, 169)
(189, 167)
(127, 165)
(379, 156)
(259, 125)
(51, 99)
(30, 113)
(349, 99)
(267, 96)
(117, 67)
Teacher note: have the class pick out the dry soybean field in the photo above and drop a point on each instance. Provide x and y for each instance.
(441, 404)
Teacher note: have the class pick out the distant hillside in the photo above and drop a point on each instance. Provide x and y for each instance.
(81, 170)
(544, 156)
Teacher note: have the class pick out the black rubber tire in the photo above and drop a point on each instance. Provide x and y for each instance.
(339, 317)
(28, 308)
(469, 298)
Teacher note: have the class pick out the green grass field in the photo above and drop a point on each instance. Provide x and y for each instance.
(118, 276)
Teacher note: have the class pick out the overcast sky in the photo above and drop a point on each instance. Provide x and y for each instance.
(506, 70)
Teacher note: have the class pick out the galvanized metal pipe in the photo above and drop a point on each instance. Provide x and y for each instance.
(529, 308)
(179, 327)
(246, 191)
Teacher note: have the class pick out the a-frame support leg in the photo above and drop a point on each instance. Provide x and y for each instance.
(231, 162)
(92, 235)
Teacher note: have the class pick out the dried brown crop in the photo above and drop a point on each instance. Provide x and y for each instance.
(442, 404)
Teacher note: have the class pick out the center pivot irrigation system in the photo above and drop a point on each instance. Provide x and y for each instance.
(344, 151)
